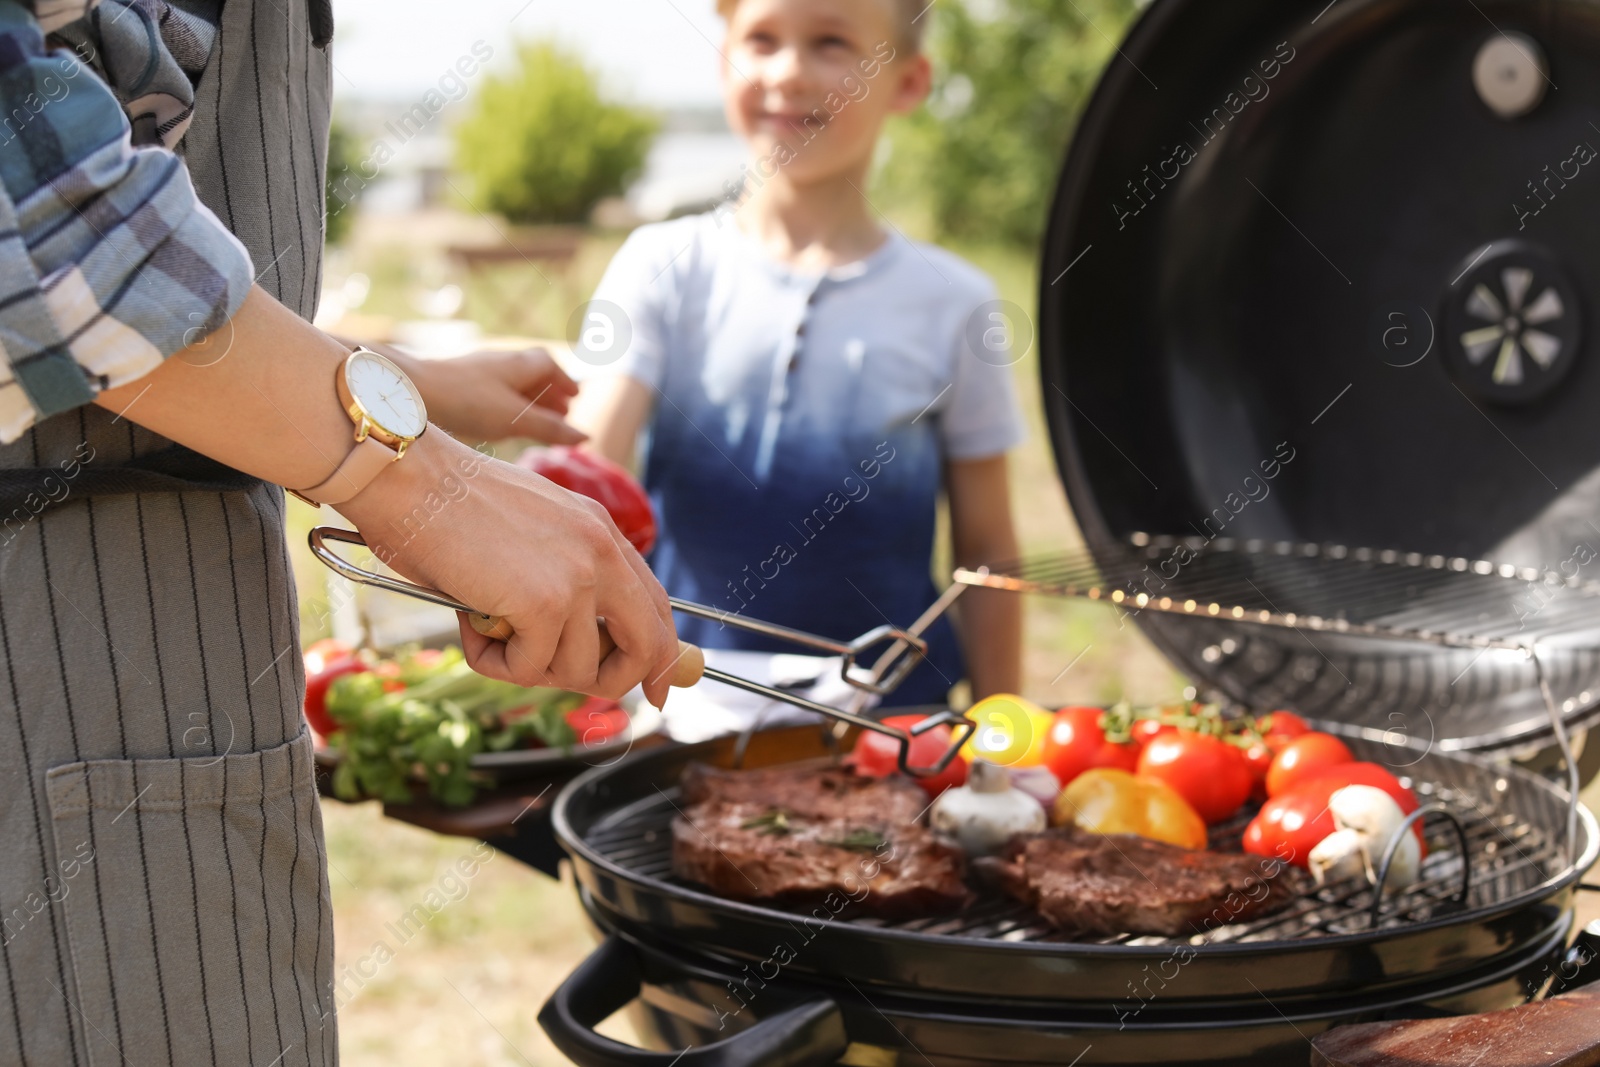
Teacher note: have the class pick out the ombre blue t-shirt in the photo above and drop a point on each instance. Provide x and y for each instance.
(801, 425)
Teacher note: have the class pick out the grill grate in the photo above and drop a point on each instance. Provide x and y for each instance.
(1509, 856)
(1360, 592)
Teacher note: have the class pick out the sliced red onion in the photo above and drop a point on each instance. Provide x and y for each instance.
(1038, 782)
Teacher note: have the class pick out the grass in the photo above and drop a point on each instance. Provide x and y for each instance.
(465, 988)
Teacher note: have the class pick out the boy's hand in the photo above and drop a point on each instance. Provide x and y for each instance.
(492, 396)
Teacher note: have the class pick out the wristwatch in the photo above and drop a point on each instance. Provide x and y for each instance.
(389, 415)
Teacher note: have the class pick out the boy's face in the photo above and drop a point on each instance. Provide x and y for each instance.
(808, 83)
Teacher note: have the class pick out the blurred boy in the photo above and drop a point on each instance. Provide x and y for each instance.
(809, 382)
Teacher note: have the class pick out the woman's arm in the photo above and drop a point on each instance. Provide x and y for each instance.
(258, 394)
(612, 410)
(981, 532)
(493, 395)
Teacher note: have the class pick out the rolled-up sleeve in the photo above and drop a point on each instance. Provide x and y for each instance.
(109, 263)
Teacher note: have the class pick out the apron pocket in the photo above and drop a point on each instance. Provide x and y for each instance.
(197, 908)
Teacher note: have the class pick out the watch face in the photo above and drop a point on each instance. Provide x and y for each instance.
(387, 395)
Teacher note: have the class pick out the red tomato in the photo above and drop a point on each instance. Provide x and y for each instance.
(1304, 758)
(1282, 724)
(1076, 743)
(596, 720)
(1336, 778)
(598, 478)
(1258, 757)
(1206, 771)
(1289, 827)
(317, 683)
(878, 755)
(1147, 730)
(389, 671)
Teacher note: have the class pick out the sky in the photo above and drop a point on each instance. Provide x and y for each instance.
(654, 52)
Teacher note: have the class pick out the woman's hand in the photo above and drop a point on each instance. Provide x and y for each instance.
(491, 396)
(512, 544)
(259, 396)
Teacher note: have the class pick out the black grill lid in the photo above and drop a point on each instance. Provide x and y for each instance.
(1323, 273)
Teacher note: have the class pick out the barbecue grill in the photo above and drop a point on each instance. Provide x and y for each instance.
(999, 955)
(1334, 451)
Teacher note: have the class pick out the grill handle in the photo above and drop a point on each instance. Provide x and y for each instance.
(1394, 846)
(807, 1035)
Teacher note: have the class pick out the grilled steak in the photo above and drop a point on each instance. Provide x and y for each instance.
(807, 837)
(1118, 883)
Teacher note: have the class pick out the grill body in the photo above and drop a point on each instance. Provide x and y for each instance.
(614, 822)
(695, 999)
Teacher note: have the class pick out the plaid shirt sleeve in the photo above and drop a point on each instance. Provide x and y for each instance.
(109, 263)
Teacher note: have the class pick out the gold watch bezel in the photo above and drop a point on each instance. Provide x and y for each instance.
(366, 425)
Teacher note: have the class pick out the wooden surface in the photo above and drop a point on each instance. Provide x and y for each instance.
(506, 810)
(1560, 1032)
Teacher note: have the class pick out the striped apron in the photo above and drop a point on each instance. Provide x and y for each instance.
(163, 885)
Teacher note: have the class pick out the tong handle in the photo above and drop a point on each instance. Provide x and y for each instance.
(687, 669)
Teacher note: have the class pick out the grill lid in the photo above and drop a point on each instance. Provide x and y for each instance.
(1351, 259)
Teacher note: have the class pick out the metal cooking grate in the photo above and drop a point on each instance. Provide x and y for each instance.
(1509, 856)
(1360, 592)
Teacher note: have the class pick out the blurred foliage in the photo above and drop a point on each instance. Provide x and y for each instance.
(344, 152)
(1010, 79)
(543, 146)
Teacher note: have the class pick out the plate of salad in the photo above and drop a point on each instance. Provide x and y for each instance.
(421, 722)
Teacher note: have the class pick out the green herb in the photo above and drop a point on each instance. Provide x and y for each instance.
(774, 823)
(431, 730)
(860, 840)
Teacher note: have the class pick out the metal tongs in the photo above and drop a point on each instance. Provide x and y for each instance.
(902, 650)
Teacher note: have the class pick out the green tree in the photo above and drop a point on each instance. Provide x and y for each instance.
(343, 155)
(1011, 78)
(542, 145)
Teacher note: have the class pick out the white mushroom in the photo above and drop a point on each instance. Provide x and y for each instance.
(1339, 855)
(986, 812)
(1367, 819)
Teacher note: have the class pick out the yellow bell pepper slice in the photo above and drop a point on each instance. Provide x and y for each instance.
(1111, 801)
(1011, 731)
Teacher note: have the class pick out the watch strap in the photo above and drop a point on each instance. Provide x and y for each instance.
(364, 463)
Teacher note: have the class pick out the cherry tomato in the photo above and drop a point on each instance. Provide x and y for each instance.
(1304, 758)
(427, 658)
(389, 671)
(1258, 757)
(1076, 743)
(1206, 771)
(878, 755)
(1147, 730)
(597, 720)
(320, 653)
(1282, 724)
(317, 683)
(1336, 778)
(1289, 827)
(598, 478)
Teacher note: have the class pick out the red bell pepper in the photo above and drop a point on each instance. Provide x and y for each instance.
(599, 479)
